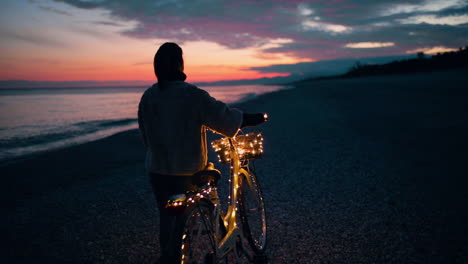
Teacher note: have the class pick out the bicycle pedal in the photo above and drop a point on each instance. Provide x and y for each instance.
(260, 259)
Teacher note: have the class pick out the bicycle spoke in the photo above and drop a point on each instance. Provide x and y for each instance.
(256, 209)
(197, 240)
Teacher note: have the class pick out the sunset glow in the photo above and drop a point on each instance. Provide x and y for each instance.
(102, 53)
(95, 40)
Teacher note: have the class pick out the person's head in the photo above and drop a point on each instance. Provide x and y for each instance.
(168, 63)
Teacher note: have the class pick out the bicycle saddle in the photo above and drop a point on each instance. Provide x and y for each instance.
(209, 174)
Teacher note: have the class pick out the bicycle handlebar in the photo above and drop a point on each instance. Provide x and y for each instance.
(253, 119)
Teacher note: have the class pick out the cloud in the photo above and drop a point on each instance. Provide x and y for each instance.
(85, 4)
(236, 24)
(54, 10)
(108, 23)
(32, 38)
(369, 45)
(304, 10)
(317, 29)
(436, 20)
(425, 6)
(331, 28)
(431, 50)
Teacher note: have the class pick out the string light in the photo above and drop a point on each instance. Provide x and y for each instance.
(177, 203)
(248, 146)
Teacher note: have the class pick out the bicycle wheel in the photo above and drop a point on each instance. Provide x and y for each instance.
(197, 243)
(252, 213)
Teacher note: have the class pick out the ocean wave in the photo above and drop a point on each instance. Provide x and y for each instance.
(63, 132)
(106, 123)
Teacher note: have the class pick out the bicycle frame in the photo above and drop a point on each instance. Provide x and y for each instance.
(229, 241)
(227, 232)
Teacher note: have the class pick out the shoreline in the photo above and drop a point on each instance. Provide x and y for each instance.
(452, 74)
(20, 147)
(61, 144)
(375, 167)
(244, 102)
(249, 102)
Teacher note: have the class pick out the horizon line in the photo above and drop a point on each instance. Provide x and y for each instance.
(292, 76)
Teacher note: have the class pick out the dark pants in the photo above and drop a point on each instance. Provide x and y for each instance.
(163, 187)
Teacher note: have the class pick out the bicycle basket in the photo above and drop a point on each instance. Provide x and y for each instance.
(249, 146)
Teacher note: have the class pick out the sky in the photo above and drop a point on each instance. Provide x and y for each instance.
(115, 40)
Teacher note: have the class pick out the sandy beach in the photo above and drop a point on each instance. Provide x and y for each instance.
(363, 170)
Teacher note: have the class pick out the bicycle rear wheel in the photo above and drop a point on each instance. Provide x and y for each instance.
(252, 213)
(197, 243)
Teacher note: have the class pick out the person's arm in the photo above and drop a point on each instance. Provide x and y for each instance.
(218, 116)
(253, 119)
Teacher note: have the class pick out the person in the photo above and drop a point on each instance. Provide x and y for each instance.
(173, 117)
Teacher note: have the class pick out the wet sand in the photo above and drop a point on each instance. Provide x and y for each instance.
(365, 170)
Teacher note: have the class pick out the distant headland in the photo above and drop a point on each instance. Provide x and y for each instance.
(422, 63)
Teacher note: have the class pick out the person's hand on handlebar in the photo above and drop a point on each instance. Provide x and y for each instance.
(253, 119)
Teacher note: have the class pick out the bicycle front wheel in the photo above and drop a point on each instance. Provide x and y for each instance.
(252, 213)
(197, 243)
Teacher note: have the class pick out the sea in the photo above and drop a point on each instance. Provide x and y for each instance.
(33, 120)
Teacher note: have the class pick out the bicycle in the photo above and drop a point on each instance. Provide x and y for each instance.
(206, 234)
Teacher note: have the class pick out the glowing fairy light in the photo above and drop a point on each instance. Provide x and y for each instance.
(176, 203)
(234, 151)
(248, 146)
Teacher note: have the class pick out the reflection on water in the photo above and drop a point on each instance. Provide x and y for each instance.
(39, 119)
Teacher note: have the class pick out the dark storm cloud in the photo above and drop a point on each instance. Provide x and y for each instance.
(454, 11)
(318, 29)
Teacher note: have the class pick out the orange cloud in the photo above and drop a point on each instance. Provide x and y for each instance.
(431, 50)
(369, 45)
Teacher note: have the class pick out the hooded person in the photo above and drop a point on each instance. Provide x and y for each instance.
(173, 117)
